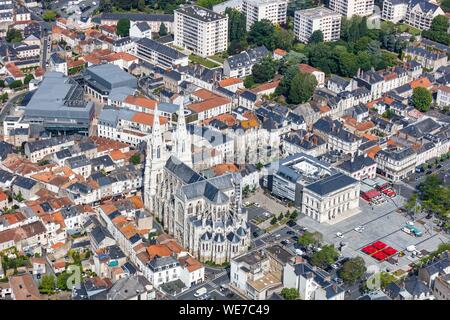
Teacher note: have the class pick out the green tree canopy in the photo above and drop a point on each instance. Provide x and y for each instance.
(316, 37)
(325, 257)
(135, 158)
(16, 84)
(236, 25)
(353, 270)
(14, 35)
(49, 15)
(302, 88)
(284, 38)
(290, 293)
(262, 33)
(47, 285)
(421, 99)
(310, 238)
(162, 30)
(264, 71)
(28, 78)
(123, 27)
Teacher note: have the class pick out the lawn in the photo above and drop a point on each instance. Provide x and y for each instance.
(218, 58)
(204, 62)
(409, 29)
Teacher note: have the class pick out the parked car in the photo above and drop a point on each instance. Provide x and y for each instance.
(200, 292)
(339, 235)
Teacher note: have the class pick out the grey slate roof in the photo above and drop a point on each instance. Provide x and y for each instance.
(160, 48)
(331, 183)
(357, 164)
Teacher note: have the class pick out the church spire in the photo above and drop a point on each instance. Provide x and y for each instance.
(181, 138)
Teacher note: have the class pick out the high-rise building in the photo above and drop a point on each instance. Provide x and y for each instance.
(314, 19)
(273, 10)
(200, 30)
(350, 8)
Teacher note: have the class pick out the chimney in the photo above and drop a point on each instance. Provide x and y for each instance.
(315, 140)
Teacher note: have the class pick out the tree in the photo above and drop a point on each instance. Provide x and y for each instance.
(302, 88)
(249, 82)
(325, 257)
(309, 238)
(274, 220)
(440, 24)
(28, 78)
(280, 216)
(316, 37)
(421, 99)
(47, 285)
(237, 46)
(284, 38)
(162, 30)
(16, 84)
(294, 215)
(13, 36)
(61, 280)
(4, 97)
(290, 293)
(123, 27)
(412, 204)
(49, 15)
(135, 159)
(353, 270)
(264, 71)
(262, 33)
(348, 64)
(237, 21)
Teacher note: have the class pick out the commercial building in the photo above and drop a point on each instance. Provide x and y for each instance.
(200, 30)
(256, 10)
(58, 105)
(108, 83)
(320, 191)
(317, 19)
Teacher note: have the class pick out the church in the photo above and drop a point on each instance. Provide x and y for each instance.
(204, 215)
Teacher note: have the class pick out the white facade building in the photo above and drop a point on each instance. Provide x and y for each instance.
(350, 8)
(256, 10)
(323, 19)
(200, 30)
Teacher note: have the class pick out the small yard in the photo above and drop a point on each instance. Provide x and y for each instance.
(409, 29)
(202, 61)
(218, 57)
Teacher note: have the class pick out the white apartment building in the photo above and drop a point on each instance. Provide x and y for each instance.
(273, 10)
(350, 8)
(323, 19)
(394, 10)
(200, 30)
(418, 14)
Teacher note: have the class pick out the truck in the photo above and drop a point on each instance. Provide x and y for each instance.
(413, 230)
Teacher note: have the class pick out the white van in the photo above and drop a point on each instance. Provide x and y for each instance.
(200, 292)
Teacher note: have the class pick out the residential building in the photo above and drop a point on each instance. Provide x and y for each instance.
(420, 14)
(257, 274)
(428, 59)
(23, 287)
(240, 65)
(311, 282)
(319, 75)
(350, 8)
(200, 30)
(158, 54)
(443, 96)
(317, 19)
(396, 163)
(273, 10)
(360, 167)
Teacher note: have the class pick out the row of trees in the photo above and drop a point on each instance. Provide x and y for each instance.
(166, 6)
(438, 30)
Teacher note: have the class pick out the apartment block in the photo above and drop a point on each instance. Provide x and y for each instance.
(314, 19)
(350, 8)
(273, 10)
(200, 30)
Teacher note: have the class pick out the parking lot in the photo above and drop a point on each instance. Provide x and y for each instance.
(382, 223)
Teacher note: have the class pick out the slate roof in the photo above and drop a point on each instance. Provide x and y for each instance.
(160, 48)
(182, 171)
(357, 164)
(331, 184)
